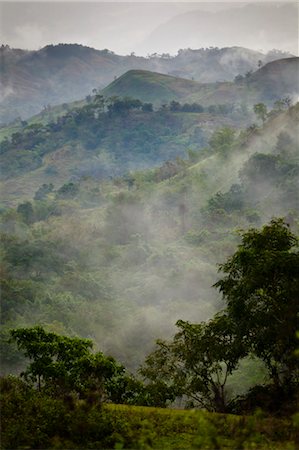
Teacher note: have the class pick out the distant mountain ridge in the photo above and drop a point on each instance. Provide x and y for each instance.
(30, 80)
(271, 82)
(91, 140)
(266, 24)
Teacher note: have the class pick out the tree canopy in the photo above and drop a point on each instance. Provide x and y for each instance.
(64, 364)
(261, 288)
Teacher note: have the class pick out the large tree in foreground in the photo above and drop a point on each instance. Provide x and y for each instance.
(197, 363)
(62, 364)
(261, 290)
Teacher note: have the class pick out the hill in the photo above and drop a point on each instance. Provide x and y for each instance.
(269, 83)
(31, 80)
(88, 141)
(152, 87)
(277, 78)
(120, 260)
(117, 135)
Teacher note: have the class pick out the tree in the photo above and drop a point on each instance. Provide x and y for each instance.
(282, 104)
(222, 140)
(174, 106)
(121, 106)
(260, 109)
(147, 107)
(43, 191)
(261, 290)
(26, 211)
(99, 101)
(68, 190)
(61, 364)
(197, 362)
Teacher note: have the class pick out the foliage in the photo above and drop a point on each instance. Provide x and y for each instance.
(264, 168)
(33, 258)
(35, 420)
(274, 400)
(62, 364)
(230, 201)
(122, 259)
(260, 287)
(261, 111)
(126, 128)
(68, 190)
(26, 211)
(222, 141)
(43, 191)
(197, 362)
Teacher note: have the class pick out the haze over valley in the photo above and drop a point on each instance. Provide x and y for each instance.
(149, 198)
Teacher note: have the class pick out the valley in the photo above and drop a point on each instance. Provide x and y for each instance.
(149, 221)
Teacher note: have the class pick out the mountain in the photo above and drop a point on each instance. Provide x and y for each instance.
(86, 141)
(121, 260)
(152, 87)
(31, 80)
(269, 83)
(255, 25)
(174, 114)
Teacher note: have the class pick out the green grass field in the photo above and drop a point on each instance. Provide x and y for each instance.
(188, 429)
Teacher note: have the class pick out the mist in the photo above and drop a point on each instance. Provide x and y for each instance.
(123, 261)
(161, 27)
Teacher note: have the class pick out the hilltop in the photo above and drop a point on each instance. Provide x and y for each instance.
(276, 78)
(152, 87)
(269, 83)
(31, 80)
(120, 134)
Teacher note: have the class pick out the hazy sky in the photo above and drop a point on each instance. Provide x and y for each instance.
(119, 26)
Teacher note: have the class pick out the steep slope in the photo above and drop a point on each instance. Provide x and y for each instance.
(84, 142)
(121, 260)
(30, 80)
(126, 135)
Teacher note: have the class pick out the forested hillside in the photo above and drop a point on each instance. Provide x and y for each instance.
(121, 260)
(149, 246)
(141, 120)
(107, 138)
(33, 80)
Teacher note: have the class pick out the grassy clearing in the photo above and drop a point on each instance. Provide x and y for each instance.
(35, 420)
(181, 429)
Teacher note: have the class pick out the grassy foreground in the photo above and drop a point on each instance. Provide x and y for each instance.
(186, 429)
(35, 420)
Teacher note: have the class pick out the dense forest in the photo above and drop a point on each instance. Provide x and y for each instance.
(150, 269)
